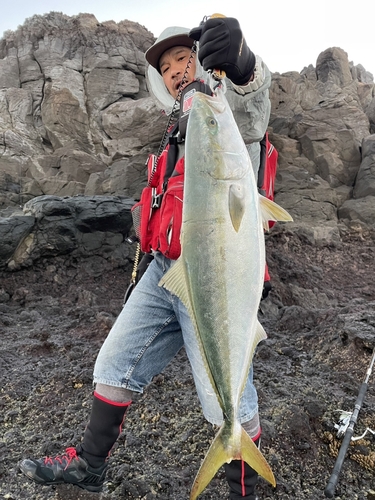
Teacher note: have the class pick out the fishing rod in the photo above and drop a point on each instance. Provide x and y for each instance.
(331, 485)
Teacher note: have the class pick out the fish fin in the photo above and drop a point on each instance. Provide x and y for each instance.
(236, 206)
(251, 454)
(174, 281)
(260, 334)
(272, 211)
(218, 454)
(214, 459)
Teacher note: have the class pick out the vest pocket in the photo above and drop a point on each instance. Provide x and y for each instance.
(171, 218)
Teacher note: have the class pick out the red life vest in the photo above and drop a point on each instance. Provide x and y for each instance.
(158, 215)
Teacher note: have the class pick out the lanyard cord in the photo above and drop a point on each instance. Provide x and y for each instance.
(173, 115)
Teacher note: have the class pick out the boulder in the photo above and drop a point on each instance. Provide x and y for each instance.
(80, 226)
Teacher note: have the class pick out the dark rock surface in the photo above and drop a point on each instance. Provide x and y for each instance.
(320, 321)
(79, 226)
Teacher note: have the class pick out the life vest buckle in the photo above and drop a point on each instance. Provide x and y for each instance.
(156, 200)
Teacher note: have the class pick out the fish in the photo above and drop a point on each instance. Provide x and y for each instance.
(220, 272)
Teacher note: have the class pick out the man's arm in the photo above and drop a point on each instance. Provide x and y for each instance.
(222, 46)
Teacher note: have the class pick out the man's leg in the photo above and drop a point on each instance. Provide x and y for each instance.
(242, 479)
(86, 464)
(105, 424)
(143, 340)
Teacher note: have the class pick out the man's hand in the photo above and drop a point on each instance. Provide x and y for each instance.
(267, 287)
(222, 46)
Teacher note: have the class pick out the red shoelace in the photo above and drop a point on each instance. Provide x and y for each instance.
(64, 459)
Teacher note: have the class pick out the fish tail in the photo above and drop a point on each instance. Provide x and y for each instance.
(251, 454)
(218, 454)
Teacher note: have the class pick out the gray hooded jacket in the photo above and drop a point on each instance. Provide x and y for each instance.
(250, 104)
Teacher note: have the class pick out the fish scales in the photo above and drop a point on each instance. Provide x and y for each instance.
(219, 275)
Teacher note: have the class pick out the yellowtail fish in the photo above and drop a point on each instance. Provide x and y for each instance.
(219, 275)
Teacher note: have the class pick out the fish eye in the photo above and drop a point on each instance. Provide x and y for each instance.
(211, 122)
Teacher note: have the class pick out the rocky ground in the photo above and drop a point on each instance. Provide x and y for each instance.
(320, 319)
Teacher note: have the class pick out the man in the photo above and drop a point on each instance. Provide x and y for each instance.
(154, 325)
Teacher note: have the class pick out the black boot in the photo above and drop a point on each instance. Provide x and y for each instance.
(242, 479)
(102, 430)
(85, 465)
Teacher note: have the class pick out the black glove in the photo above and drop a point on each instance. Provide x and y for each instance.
(222, 46)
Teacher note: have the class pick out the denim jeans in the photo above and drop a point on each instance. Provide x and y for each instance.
(150, 330)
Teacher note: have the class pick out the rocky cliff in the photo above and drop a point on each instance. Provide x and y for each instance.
(76, 118)
(75, 114)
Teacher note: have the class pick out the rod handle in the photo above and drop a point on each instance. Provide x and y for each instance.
(331, 485)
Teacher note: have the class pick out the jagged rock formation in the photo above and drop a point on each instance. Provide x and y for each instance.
(324, 124)
(75, 114)
(76, 118)
(82, 226)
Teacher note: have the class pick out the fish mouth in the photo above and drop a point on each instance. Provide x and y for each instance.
(213, 101)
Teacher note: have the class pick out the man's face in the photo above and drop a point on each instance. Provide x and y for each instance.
(172, 68)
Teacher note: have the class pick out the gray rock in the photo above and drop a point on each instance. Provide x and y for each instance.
(365, 182)
(53, 226)
(58, 75)
(12, 231)
(361, 210)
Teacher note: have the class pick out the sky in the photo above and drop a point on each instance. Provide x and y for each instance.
(287, 35)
